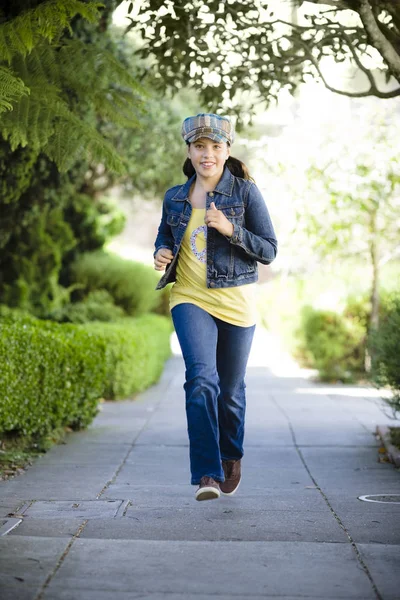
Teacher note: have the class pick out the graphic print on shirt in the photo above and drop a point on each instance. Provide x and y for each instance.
(198, 239)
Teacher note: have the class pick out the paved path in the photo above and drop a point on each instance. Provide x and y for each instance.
(110, 515)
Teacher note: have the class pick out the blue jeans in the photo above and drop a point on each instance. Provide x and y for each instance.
(215, 354)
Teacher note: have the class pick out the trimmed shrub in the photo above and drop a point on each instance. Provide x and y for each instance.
(136, 350)
(53, 375)
(16, 315)
(97, 306)
(163, 303)
(131, 284)
(384, 347)
(336, 344)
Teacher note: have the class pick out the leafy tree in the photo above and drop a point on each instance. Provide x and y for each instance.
(50, 214)
(231, 48)
(45, 219)
(153, 149)
(354, 194)
(50, 78)
(45, 222)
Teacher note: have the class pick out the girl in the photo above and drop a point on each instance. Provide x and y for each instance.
(213, 230)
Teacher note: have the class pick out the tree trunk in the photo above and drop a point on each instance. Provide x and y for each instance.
(374, 319)
(374, 297)
(377, 39)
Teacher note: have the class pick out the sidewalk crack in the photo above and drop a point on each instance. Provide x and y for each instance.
(61, 560)
(360, 559)
(117, 472)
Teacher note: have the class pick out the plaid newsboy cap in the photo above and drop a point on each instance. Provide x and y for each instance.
(218, 129)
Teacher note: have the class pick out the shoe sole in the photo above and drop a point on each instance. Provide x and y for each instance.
(207, 493)
(233, 491)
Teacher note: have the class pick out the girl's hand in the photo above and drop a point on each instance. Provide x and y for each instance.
(216, 219)
(162, 259)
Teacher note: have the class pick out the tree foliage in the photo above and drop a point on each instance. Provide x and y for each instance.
(231, 48)
(49, 78)
(354, 190)
(44, 224)
(21, 32)
(45, 218)
(51, 188)
(153, 150)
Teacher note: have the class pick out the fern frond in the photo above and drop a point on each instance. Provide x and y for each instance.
(49, 125)
(19, 126)
(74, 138)
(12, 88)
(117, 107)
(47, 20)
(101, 76)
(65, 82)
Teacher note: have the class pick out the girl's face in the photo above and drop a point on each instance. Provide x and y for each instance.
(208, 157)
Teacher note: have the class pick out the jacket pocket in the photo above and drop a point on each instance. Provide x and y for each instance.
(173, 219)
(233, 212)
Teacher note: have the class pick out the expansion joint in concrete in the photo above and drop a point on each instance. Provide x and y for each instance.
(61, 560)
(131, 447)
(326, 499)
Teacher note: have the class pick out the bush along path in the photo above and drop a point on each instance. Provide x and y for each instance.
(53, 376)
(111, 513)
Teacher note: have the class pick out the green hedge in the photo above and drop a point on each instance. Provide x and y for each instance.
(335, 344)
(97, 306)
(135, 352)
(53, 375)
(131, 284)
(384, 348)
(49, 377)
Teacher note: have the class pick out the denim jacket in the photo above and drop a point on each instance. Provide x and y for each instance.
(230, 261)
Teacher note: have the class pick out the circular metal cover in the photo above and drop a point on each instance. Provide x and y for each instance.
(382, 498)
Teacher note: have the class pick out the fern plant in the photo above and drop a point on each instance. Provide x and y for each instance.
(47, 80)
(20, 35)
(12, 88)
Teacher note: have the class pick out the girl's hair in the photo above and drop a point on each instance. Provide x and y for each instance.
(236, 167)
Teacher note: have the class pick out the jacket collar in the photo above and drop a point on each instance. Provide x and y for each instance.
(224, 186)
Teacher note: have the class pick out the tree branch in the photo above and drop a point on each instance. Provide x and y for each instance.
(372, 91)
(377, 38)
(315, 26)
(338, 4)
(359, 64)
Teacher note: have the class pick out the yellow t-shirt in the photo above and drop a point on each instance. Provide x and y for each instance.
(235, 305)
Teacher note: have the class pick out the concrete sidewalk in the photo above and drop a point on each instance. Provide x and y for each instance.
(110, 515)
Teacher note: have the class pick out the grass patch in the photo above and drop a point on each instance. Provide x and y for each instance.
(17, 453)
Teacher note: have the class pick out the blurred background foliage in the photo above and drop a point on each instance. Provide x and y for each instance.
(240, 53)
(69, 140)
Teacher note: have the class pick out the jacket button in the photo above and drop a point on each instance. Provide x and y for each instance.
(211, 194)
(212, 284)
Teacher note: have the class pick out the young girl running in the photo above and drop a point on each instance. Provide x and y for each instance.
(213, 230)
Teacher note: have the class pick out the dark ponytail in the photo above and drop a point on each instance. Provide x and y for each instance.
(236, 167)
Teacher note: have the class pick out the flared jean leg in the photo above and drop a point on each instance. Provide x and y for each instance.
(197, 333)
(233, 349)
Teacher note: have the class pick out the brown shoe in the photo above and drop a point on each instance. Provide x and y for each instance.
(233, 475)
(208, 489)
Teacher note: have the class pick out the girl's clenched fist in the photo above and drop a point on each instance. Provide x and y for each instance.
(216, 219)
(162, 259)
